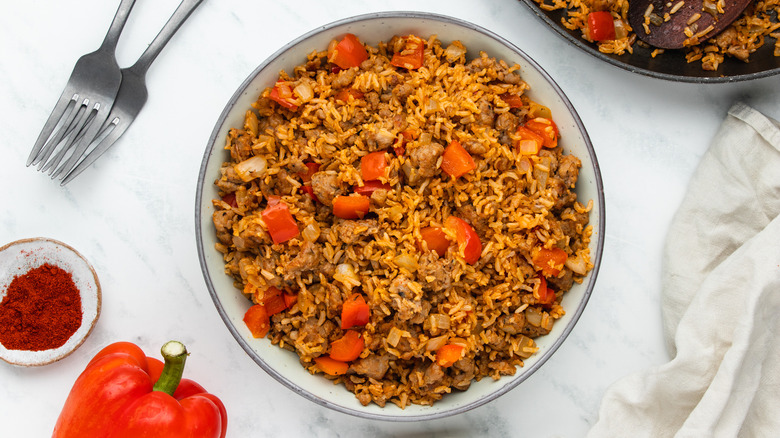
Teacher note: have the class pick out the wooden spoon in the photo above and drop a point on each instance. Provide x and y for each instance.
(670, 34)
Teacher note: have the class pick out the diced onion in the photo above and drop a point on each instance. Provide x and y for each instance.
(526, 347)
(311, 232)
(655, 19)
(577, 264)
(620, 29)
(537, 110)
(533, 316)
(384, 138)
(436, 343)
(332, 48)
(406, 261)
(454, 51)
(395, 213)
(437, 323)
(440, 321)
(528, 147)
(345, 274)
(432, 106)
(251, 168)
(710, 7)
(541, 177)
(304, 91)
(524, 164)
(394, 336)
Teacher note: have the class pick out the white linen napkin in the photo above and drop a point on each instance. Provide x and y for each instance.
(720, 300)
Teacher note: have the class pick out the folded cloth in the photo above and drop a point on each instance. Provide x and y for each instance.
(720, 300)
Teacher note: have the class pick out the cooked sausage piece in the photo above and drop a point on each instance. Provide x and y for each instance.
(308, 259)
(404, 300)
(435, 273)
(350, 231)
(373, 366)
(422, 162)
(326, 187)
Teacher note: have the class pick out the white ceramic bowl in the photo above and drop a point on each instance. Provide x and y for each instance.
(371, 29)
(19, 257)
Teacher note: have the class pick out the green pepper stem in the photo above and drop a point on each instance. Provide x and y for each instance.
(175, 354)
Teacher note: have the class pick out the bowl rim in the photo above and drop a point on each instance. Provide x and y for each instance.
(574, 314)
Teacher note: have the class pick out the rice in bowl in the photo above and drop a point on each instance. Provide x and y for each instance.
(308, 225)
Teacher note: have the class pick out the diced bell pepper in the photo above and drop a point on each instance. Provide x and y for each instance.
(456, 161)
(600, 26)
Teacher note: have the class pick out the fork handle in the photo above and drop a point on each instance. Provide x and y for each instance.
(120, 18)
(183, 11)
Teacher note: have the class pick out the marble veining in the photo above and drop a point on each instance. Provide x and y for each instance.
(131, 214)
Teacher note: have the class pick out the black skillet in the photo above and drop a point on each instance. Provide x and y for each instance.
(670, 65)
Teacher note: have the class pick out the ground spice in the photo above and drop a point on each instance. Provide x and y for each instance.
(41, 310)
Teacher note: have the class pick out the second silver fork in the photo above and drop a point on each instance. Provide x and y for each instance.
(132, 93)
(84, 105)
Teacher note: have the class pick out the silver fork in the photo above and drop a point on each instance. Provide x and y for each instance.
(133, 92)
(85, 102)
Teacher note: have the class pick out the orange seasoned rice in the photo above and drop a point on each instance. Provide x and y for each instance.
(519, 205)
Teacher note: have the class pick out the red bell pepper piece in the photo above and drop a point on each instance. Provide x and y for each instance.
(468, 239)
(369, 187)
(123, 394)
(349, 52)
(412, 55)
(289, 299)
(601, 26)
(530, 142)
(546, 128)
(311, 169)
(275, 304)
(373, 166)
(345, 93)
(355, 312)
(230, 199)
(456, 161)
(550, 261)
(330, 366)
(257, 321)
(348, 347)
(280, 222)
(546, 295)
(282, 94)
(436, 240)
(448, 354)
(351, 207)
(513, 100)
(399, 147)
(309, 190)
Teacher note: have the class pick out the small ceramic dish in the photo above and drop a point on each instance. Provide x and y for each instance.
(19, 257)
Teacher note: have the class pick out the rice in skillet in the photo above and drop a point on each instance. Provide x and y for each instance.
(398, 224)
(759, 24)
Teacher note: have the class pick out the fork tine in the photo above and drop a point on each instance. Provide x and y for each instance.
(68, 139)
(72, 122)
(92, 126)
(63, 114)
(109, 134)
(48, 128)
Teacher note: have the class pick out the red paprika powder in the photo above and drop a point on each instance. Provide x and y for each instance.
(41, 310)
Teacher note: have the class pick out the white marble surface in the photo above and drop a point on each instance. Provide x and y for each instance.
(131, 214)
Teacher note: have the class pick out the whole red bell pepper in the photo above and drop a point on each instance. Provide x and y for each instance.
(124, 393)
